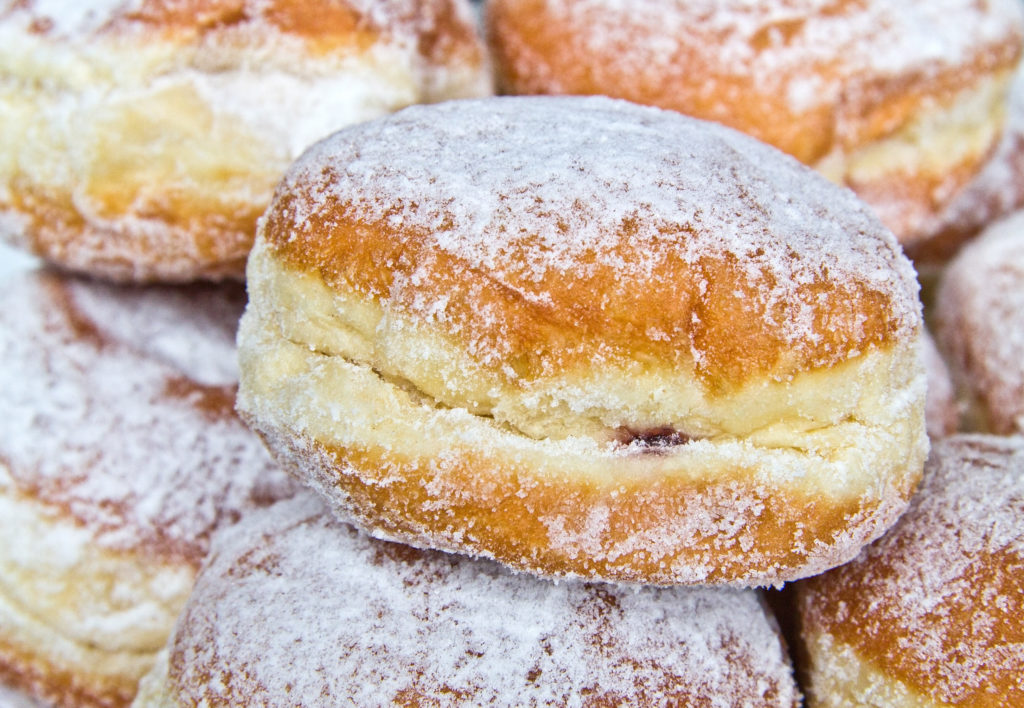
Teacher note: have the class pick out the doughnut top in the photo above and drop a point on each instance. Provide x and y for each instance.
(546, 232)
(440, 28)
(814, 68)
(119, 411)
(375, 622)
(938, 600)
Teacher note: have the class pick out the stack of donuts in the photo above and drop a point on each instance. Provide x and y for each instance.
(618, 393)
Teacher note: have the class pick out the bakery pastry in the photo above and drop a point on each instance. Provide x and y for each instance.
(141, 140)
(120, 453)
(586, 338)
(903, 102)
(343, 618)
(930, 614)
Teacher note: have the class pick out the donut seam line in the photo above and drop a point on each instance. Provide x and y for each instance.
(617, 448)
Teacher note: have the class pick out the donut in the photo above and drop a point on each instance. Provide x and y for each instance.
(376, 623)
(979, 312)
(930, 614)
(142, 140)
(994, 193)
(585, 338)
(120, 453)
(902, 102)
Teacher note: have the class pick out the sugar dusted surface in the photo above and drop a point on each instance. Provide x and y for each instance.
(938, 600)
(371, 622)
(119, 410)
(774, 44)
(533, 189)
(980, 309)
(997, 190)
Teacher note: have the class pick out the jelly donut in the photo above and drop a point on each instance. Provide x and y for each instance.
(141, 140)
(930, 615)
(994, 193)
(589, 338)
(120, 453)
(979, 310)
(902, 101)
(376, 623)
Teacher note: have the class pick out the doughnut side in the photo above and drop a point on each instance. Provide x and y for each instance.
(928, 614)
(85, 643)
(144, 146)
(540, 322)
(766, 483)
(387, 623)
(901, 103)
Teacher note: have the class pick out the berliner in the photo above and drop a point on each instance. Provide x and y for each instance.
(344, 619)
(120, 453)
(930, 615)
(901, 101)
(141, 139)
(586, 338)
(994, 193)
(979, 311)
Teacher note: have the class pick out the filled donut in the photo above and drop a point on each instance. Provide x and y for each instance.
(994, 193)
(375, 623)
(140, 141)
(120, 453)
(930, 614)
(902, 102)
(979, 309)
(586, 338)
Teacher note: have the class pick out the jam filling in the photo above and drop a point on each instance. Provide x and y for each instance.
(652, 439)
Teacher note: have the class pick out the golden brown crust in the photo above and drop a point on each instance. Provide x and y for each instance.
(508, 511)
(711, 309)
(933, 606)
(142, 141)
(527, 35)
(820, 83)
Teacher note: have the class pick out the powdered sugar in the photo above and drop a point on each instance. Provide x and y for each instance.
(943, 592)
(342, 617)
(104, 418)
(555, 181)
(980, 308)
(807, 50)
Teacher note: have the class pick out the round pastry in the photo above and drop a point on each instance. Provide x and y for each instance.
(902, 102)
(375, 623)
(996, 192)
(119, 454)
(979, 309)
(930, 615)
(588, 338)
(141, 140)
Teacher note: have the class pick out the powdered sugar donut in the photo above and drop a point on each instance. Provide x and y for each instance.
(142, 138)
(902, 101)
(120, 453)
(930, 614)
(994, 193)
(374, 623)
(979, 309)
(584, 337)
